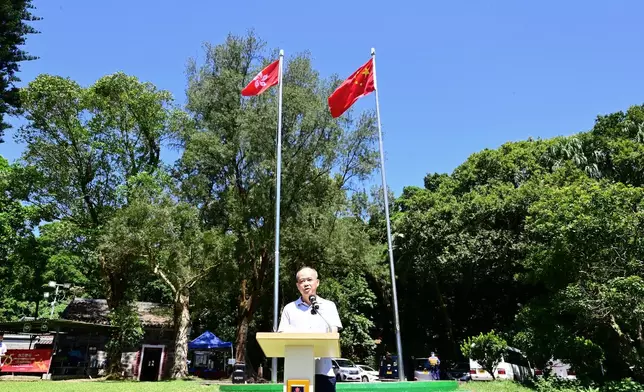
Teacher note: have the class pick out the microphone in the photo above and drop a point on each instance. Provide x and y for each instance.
(315, 309)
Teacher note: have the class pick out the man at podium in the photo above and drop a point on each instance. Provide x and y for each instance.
(310, 313)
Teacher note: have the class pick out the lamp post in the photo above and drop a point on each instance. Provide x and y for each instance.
(53, 284)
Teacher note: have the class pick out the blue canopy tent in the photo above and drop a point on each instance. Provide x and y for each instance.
(210, 341)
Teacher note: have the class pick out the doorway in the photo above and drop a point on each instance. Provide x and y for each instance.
(150, 363)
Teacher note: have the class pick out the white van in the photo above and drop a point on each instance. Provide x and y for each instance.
(513, 366)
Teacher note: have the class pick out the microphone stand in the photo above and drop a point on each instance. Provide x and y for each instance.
(315, 309)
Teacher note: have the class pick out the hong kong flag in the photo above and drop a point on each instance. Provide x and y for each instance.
(268, 77)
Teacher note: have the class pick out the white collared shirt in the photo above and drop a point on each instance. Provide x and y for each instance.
(297, 317)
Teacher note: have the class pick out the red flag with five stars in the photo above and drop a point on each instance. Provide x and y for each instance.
(359, 84)
(266, 78)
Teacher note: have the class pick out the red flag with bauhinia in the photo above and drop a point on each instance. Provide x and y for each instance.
(266, 78)
(359, 84)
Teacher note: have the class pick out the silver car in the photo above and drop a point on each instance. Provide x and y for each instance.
(422, 370)
(367, 373)
(345, 370)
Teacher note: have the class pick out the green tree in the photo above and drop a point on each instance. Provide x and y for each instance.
(486, 349)
(457, 257)
(21, 257)
(126, 334)
(585, 251)
(169, 236)
(15, 15)
(339, 248)
(86, 143)
(31, 252)
(228, 166)
(536, 239)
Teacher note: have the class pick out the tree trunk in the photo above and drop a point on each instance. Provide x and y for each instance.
(247, 310)
(248, 300)
(117, 283)
(242, 336)
(181, 326)
(446, 318)
(115, 277)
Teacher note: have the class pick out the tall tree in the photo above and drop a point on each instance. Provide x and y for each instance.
(20, 255)
(228, 167)
(585, 249)
(15, 15)
(536, 239)
(169, 236)
(27, 260)
(86, 143)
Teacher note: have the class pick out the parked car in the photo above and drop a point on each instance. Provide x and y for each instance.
(345, 370)
(388, 368)
(367, 374)
(421, 369)
(513, 366)
(459, 371)
(558, 369)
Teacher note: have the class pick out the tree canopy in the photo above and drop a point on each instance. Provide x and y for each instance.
(15, 15)
(537, 239)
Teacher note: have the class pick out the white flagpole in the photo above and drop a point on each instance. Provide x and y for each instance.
(277, 213)
(401, 368)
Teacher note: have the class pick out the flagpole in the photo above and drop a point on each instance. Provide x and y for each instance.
(401, 368)
(277, 213)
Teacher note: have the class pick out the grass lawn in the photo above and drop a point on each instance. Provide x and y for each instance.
(191, 386)
(496, 386)
(105, 386)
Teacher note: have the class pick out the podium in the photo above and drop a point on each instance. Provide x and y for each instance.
(299, 350)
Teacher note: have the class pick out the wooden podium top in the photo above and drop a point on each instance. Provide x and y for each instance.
(325, 345)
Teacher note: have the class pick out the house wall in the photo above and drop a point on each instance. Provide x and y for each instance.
(18, 342)
(94, 355)
(80, 354)
(130, 360)
(83, 354)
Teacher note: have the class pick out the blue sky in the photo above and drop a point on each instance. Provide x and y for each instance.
(454, 77)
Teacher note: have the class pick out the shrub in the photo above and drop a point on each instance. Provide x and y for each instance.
(626, 385)
(486, 349)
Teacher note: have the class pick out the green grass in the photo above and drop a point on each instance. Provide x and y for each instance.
(496, 386)
(356, 387)
(191, 386)
(105, 386)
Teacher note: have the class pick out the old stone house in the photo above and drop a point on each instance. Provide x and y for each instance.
(150, 360)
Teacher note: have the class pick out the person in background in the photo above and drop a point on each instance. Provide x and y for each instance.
(297, 316)
(434, 364)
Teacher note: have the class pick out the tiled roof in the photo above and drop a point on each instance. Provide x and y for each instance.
(96, 311)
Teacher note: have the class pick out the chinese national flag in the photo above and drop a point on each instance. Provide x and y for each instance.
(359, 84)
(268, 77)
